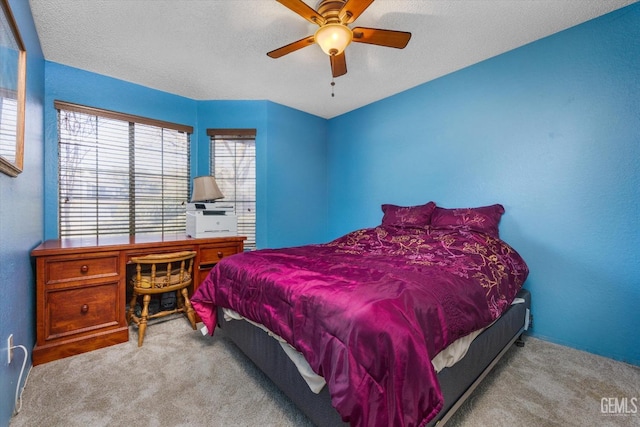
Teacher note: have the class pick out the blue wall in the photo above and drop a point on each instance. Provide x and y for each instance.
(297, 163)
(550, 130)
(290, 148)
(290, 167)
(21, 223)
(82, 87)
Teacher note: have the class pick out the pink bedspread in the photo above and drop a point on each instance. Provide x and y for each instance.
(371, 309)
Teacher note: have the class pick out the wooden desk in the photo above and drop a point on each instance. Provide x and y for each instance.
(81, 286)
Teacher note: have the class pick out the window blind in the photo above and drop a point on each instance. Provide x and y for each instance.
(8, 125)
(233, 164)
(120, 174)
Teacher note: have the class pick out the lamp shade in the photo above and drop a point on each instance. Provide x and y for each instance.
(333, 38)
(205, 189)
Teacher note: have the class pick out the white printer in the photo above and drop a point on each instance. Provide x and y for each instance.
(205, 216)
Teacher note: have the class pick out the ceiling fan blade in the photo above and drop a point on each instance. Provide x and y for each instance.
(338, 65)
(352, 9)
(388, 38)
(291, 47)
(302, 9)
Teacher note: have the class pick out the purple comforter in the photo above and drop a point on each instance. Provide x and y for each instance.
(371, 309)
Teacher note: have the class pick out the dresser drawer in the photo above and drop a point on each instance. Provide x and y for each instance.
(81, 309)
(70, 269)
(212, 254)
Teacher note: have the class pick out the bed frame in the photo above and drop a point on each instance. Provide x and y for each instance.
(456, 382)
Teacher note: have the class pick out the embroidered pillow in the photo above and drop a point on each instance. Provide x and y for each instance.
(407, 216)
(484, 219)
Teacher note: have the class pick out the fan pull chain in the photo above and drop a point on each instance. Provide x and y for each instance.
(333, 83)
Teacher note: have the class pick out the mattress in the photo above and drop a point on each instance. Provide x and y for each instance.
(446, 358)
(456, 381)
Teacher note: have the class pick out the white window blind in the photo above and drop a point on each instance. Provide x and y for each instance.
(233, 164)
(120, 174)
(8, 125)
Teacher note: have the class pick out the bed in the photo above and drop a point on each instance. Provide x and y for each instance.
(369, 313)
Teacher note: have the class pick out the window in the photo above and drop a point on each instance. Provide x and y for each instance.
(120, 174)
(233, 164)
(8, 125)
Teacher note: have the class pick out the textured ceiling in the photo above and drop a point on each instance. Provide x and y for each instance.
(216, 49)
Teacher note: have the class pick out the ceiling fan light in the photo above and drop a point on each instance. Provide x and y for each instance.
(333, 38)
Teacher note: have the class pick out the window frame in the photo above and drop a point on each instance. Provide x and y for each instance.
(238, 134)
(131, 121)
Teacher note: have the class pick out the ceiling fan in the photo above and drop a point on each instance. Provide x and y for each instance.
(333, 36)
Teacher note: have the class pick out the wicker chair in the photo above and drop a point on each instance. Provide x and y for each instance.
(158, 274)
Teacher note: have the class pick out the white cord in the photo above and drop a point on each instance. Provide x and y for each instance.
(24, 362)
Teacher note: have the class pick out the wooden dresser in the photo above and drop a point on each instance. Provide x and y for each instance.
(81, 286)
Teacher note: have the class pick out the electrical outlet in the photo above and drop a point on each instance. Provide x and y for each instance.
(10, 348)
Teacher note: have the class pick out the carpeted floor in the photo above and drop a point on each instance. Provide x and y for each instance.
(181, 378)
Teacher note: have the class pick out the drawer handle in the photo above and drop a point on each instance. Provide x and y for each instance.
(84, 268)
(220, 254)
(84, 308)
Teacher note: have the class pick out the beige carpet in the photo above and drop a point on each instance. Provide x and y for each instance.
(181, 378)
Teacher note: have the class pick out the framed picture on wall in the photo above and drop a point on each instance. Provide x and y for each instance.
(13, 64)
